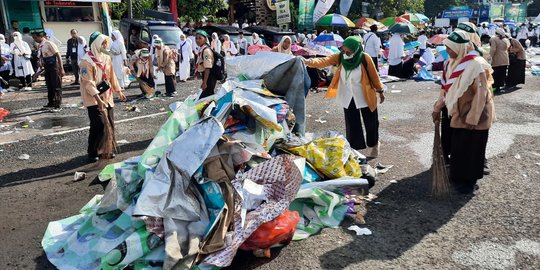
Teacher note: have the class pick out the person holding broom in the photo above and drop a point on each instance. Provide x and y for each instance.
(143, 70)
(466, 95)
(98, 82)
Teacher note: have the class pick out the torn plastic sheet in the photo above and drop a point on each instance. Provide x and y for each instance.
(166, 193)
(337, 183)
(254, 66)
(318, 208)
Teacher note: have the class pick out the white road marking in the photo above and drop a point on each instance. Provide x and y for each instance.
(116, 122)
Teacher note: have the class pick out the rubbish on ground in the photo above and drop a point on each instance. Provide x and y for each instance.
(3, 113)
(393, 181)
(79, 176)
(73, 105)
(359, 231)
(122, 142)
(222, 174)
(320, 120)
(29, 120)
(24, 157)
(62, 140)
(381, 169)
(517, 156)
(395, 91)
(133, 109)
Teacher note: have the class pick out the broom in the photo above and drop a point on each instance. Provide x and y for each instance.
(149, 91)
(108, 144)
(440, 183)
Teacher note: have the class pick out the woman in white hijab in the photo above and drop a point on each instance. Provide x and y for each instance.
(284, 46)
(216, 43)
(98, 82)
(185, 54)
(395, 55)
(256, 40)
(119, 58)
(82, 48)
(5, 63)
(466, 102)
(21, 60)
(228, 46)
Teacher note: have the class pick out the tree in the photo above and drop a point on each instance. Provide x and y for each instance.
(118, 10)
(388, 7)
(195, 10)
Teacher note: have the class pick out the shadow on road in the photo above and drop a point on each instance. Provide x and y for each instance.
(407, 214)
(68, 167)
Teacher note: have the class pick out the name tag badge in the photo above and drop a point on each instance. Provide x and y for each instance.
(73, 50)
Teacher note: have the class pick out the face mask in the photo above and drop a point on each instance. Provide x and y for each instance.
(347, 57)
(103, 50)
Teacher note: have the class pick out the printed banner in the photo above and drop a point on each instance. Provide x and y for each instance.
(344, 7)
(322, 7)
(283, 12)
(305, 16)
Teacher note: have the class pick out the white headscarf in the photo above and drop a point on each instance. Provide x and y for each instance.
(280, 45)
(474, 68)
(81, 48)
(22, 46)
(118, 38)
(255, 39)
(215, 44)
(2, 39)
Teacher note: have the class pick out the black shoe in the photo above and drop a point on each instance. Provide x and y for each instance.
(48, 106)
(466, 189)
(170, 94)
(92, 159)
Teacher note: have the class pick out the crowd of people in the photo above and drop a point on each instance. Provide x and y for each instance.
(478, 63)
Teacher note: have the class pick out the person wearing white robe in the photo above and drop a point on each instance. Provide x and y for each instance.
(395, 55)
(119, 58)
(5, 63)
(21, 59)
(216, 43)
(82, 49)
(185, 54)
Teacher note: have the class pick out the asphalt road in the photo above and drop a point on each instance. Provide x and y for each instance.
(495, 229)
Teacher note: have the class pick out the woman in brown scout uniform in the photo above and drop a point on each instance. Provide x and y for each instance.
(98, 82)
(166, 64)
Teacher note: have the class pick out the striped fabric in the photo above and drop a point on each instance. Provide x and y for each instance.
(447, 82)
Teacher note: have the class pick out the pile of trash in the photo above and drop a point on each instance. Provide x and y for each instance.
(231, 171)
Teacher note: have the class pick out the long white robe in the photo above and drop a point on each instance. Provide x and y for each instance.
(396, 50)
(186, 52)
(119, 56)
(23, 67)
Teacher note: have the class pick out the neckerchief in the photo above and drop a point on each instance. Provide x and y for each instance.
(446, 81)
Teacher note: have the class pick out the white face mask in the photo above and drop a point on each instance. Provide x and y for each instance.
(347, 57)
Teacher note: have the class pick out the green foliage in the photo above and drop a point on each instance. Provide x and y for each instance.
(195, 10)
(390, 8)
(119, 9)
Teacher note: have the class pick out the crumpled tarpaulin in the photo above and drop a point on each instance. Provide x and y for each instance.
(169, 193)
(318, 208)
(281, 179)
(288, 80)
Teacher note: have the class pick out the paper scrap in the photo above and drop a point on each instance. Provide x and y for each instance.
(359, 231)
(122, 142)
(24, 157)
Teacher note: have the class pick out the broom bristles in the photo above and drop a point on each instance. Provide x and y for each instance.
(108, 144)
(149, 91)
(440, 182)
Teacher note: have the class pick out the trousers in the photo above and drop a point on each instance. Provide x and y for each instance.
(353, 126)
(97, 128)
(54, 85)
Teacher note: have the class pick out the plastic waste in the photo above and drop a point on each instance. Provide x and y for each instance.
(79, 176)
(3, 113)
(24, 157)
(359, 231)
(277, 231)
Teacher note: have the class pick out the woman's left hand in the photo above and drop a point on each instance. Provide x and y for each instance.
(121, 96)
(382, 97)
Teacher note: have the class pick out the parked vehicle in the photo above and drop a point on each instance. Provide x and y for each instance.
(272, 35)
(166, 30)
(232, 31)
